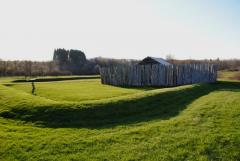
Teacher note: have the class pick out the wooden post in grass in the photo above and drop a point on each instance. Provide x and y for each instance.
(33, 86)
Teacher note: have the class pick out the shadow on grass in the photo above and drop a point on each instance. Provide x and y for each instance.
(160, 106)
(56, 79)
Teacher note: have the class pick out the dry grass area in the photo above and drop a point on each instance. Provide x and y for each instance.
(229, 75)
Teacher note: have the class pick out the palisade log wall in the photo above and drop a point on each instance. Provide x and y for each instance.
(158, 75)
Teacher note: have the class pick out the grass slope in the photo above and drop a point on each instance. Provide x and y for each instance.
(194, 122)
(80, 90)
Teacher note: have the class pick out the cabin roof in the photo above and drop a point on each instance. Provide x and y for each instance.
(154, 60)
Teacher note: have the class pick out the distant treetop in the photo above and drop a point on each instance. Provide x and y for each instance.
(64, 57)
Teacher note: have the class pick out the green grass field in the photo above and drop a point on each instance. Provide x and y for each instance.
(80, 90)
(85, 120)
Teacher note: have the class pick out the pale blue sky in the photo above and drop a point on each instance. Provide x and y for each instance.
(31, 29)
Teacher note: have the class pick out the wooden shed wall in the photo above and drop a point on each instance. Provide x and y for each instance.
(158, 75)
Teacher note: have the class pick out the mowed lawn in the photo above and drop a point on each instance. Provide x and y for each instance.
(192, 122)
(76, 90)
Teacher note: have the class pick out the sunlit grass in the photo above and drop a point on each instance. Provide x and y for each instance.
(78, 90)
(194, 122)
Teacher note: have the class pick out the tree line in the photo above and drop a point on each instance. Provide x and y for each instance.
(228, 64)
(74, 62)
(65, 62)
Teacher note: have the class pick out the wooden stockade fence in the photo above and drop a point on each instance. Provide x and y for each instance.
(158, 75)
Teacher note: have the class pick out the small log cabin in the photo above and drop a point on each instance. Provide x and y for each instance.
(153, 60)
